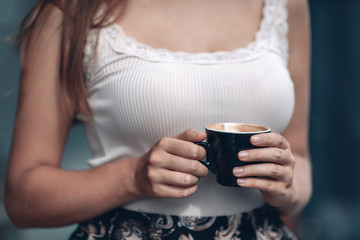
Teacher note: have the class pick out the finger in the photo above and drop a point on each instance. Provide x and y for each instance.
(191, 135)
(262, 184)
(169, 191)
(174, 178)
(264, 170)
(182, 148)
(179, 164)
(192, 167)
(269, 140)
(270, 154)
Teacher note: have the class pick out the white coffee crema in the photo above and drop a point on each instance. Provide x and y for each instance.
(237, 127)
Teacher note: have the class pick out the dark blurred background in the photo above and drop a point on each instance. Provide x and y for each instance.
(334, 211)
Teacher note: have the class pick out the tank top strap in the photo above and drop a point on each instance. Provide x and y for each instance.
(277, 33)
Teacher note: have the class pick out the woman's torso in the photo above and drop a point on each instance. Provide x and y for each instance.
(140, 94)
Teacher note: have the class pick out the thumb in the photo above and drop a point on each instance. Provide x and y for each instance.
(191, 135)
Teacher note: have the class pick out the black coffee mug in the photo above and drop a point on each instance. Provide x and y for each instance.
(223, 143)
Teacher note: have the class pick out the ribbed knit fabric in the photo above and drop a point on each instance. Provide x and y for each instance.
(139, 95)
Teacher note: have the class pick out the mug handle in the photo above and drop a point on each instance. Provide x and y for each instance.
(210, 159)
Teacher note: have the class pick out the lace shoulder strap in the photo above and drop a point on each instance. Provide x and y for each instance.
(278, 41)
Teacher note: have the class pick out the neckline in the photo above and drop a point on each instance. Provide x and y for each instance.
(128, 44)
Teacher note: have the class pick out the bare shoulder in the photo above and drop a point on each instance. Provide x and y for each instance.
(298, 13)
(44, 36)
(298, 5)
(299, 36)
(49, 20)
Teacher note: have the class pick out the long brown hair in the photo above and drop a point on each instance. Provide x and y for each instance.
(79, 16)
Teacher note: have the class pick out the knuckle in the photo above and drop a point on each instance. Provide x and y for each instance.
(192, 166)
(187, 192)
(275, 171)
(289, 175)
(164, 143)
(278, 154)
(184, 193)
(194, 152)
(281, 141)
(153, 159)
(151, 176)
(267, 137)
(268, 185)
(186, 179)
(156, 190)
(202, 153)
(282, 193)
(189, 133)
(255, 183)
(204, 171)
(292, 160)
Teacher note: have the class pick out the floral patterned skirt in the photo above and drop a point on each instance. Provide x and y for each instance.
(121, 224)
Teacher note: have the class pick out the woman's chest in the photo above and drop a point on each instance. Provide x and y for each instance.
(172, 95)
(192, 26)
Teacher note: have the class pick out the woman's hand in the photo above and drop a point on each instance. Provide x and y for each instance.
(171, 168)
(273, 173)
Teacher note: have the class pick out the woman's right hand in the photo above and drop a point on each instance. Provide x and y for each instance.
(171, 168)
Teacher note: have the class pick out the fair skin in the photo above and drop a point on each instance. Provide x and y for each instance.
(41, 194)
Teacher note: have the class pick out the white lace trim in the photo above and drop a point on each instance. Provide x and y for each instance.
(274, 12)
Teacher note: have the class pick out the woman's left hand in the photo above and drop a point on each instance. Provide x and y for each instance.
(273, 170)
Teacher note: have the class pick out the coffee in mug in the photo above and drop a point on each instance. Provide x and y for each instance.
(223, 143)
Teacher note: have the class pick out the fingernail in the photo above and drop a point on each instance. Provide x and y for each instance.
(243, 155)
(255, 139)
(240, 181)
(238, 171)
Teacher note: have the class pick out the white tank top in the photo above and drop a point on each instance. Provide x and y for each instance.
(139, 95)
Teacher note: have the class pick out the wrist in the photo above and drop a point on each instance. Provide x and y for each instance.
(301, 188)
(130, 182)
(294, 204)
(120, 181)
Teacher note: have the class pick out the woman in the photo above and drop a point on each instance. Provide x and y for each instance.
(139, 74)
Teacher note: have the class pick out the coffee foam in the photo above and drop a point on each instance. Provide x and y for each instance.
(237, 127)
